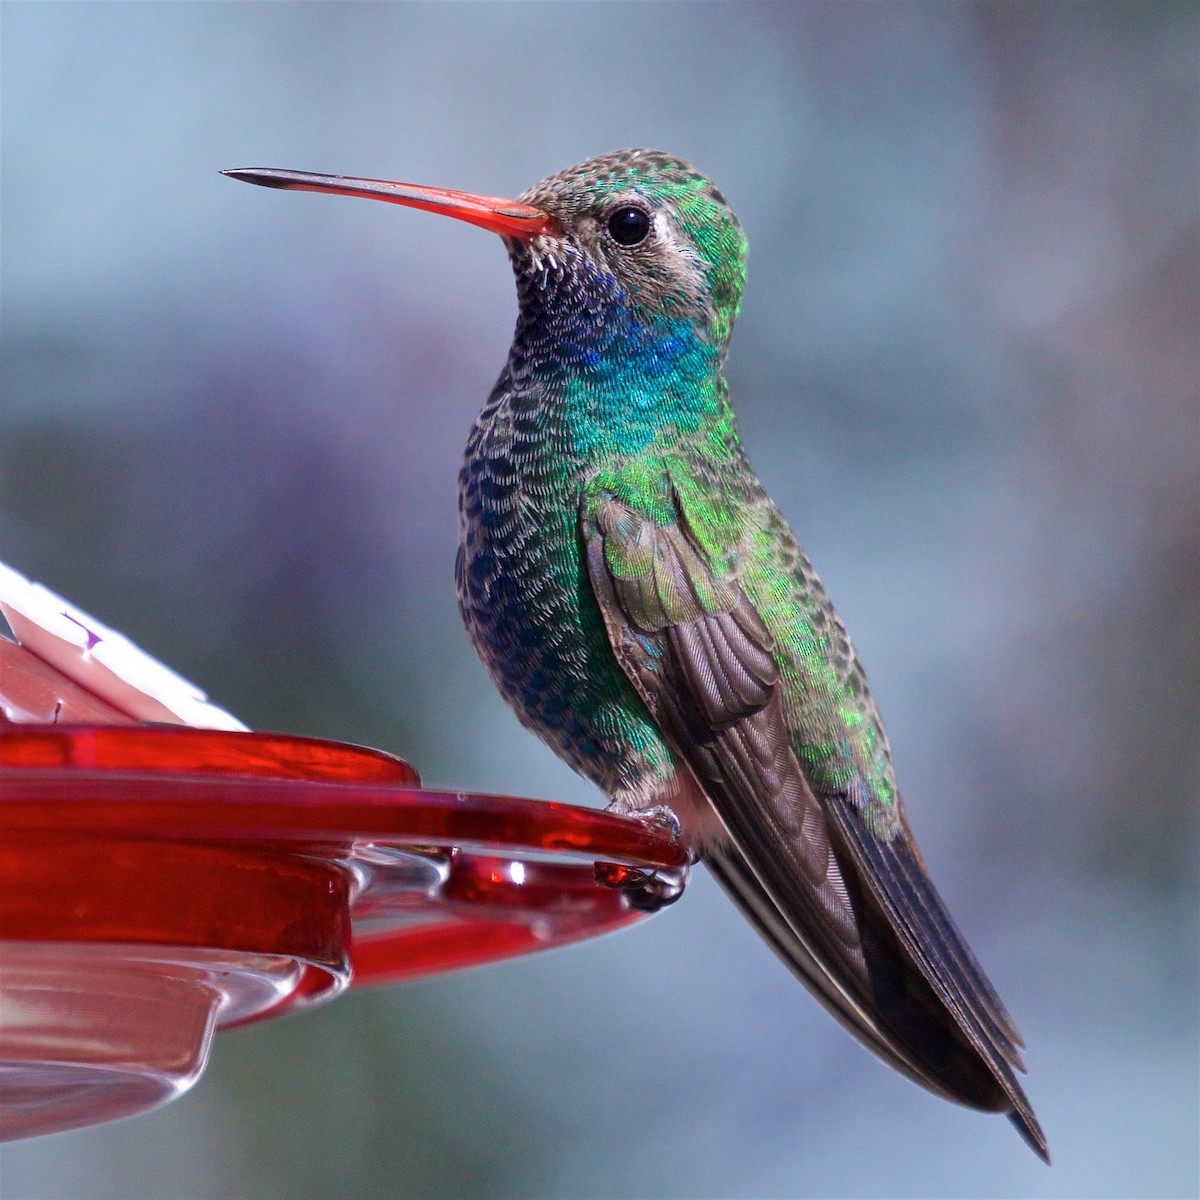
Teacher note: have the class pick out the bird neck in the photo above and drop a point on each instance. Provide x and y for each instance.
(612, 378)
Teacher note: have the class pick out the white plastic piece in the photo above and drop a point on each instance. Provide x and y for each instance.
(102, 660)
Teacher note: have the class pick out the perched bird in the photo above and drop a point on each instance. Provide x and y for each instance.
(644, 608)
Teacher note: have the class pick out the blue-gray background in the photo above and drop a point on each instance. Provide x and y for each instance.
(967, 370)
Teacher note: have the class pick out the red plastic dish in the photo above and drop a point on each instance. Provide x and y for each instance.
(160, 882)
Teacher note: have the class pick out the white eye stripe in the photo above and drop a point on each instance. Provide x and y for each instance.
(664, 231)
(682, 251)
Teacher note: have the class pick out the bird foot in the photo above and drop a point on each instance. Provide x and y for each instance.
(647, 891)
(661, 818)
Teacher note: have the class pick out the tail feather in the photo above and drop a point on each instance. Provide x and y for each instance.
(900, 1018)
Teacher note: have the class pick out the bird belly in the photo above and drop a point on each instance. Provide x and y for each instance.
(529, 611)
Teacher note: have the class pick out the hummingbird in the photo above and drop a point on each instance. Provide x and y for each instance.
(643, 606)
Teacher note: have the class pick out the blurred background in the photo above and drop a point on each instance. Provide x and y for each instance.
(967, 370)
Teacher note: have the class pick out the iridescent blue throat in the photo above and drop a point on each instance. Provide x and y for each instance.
(617, 378)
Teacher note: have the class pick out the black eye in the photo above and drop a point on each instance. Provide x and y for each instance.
(629, 225)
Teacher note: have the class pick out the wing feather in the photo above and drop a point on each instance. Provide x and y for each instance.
(850, 910)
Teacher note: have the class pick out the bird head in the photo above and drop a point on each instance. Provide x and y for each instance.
(650, 229)
(636, 229)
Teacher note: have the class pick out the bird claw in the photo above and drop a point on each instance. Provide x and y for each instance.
(659, 889)
(647, 891)
(661, 818)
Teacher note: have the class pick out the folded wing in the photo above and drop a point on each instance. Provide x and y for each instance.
(851, 910)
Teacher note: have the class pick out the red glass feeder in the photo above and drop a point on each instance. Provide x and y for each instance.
(160, 882)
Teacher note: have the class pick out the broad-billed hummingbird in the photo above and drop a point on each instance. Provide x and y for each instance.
(644, 608)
